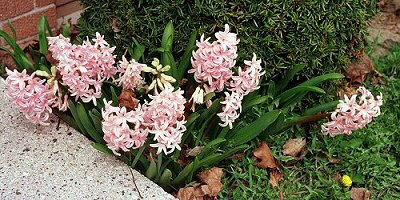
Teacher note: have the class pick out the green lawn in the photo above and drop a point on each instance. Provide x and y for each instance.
(369, 156)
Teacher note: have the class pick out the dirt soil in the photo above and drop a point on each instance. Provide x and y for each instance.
(384, 30)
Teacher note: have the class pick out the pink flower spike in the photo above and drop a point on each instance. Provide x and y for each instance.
(31, 95)
(85, 67)
(353, 113)
(231, 109)
(248, 80)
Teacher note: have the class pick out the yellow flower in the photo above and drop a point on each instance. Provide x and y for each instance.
(346, 180)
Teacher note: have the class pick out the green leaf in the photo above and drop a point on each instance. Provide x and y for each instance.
(183, 65)
(210, 147)
(285, 96)
(87, 124)
(271, 88)
(102, 148)
(114, 97)
(210, 112)
(75, 115)
(281, 85)
(96, 121)
(319, 79)
(255, 101)
(139, 50)
(66, 30)
(165, 178)
(43, 44)
(209, 96)
(214, 159)
(183, 174)
(167, 38)
(321, 108)
(192, 118)
(151, 172)
(252, 130)
(12, 29)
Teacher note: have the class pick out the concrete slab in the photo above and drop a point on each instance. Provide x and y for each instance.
(42, 162)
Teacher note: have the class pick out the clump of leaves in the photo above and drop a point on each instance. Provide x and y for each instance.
(323, 35)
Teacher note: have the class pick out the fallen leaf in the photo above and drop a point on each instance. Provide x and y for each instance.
(360, 194)
(293, 147)
(331, 159)
(127, 99)
(337, 177)
(357, 71)
(212, 178)
(237, 156)
(210, 187)
(188, 193)
(194, 152)
(264, 154)
(274, 177)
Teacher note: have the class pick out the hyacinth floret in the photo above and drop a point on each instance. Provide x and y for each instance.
(353, 113)
(84, 67)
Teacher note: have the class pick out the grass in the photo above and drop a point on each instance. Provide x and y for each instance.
(369, 156)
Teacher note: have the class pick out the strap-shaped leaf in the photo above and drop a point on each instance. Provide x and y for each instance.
(102, 148)
(75, 115)
(114, 97)
(319, 79)
(210, 147)
(139, 50)
(192, 118)
(285, 96)
(255, 101)
(66, 30)
(165, 178)
(214, 159)
(88, 125)
(210, 112)
(183, 174)
(254, 129)
(321, 108)
(288, 77)
(96, 121)
(183, 65)
(151, 171)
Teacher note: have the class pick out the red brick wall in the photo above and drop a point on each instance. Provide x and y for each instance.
(25, 15)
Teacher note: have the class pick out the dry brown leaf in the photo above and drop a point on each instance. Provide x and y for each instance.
(210, 187)
(188, 193)
(331, 159)
(360, 194)
(127, 99)
(357, 71)
(212, 178)
(237, 156)
(293, 147)
(274, 177)
(264, 154)
(194, 152)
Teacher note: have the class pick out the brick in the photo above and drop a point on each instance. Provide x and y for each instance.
(9, 9)
(28, 25)
(62, 2)
(41, 3)
(68, 8)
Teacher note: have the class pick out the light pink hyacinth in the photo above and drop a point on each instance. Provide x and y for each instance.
(31, 95)
(164, 116)
(353, 113)
(231, 109)
(212, 62)
(83, 67)
(117, 132)
(248, 79)
(130, 74)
